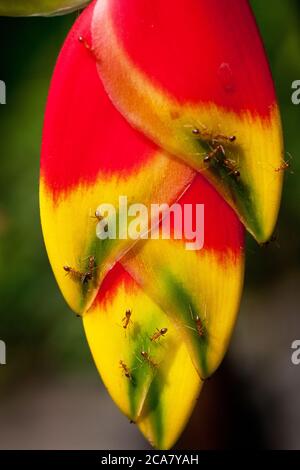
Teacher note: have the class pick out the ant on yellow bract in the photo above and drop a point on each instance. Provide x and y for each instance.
(158, 334)
(99, 217)
(285, 165)
(127, 319)
(211, 136)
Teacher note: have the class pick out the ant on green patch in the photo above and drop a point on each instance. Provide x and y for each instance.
(218, 153)
(158, 334)
(125, 370)
(83, 277)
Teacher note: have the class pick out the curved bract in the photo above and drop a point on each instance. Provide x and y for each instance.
(193, 77)
(92, 156)
(157, 392)
(199, 290)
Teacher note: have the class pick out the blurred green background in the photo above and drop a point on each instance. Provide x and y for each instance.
(45, 340)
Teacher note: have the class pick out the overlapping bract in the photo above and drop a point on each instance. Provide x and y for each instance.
(93, 154)
(194, 72)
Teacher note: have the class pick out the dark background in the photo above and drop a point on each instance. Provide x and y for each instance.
(50, 392)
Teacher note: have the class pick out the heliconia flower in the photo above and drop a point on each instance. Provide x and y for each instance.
(193, 77)
(158, 317)
(39, 7)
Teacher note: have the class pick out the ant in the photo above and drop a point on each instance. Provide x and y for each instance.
(88, 276)
(83, 277)
(92, 263)
(285, 165)
(216, 143)
(158, 334)
(127, 319)
(214, 138)
(99, 218)
(232, 167)
(200, 328)
(148, 359)
(126, 370)
(219, 155)
(214, 154)
(98, 215)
